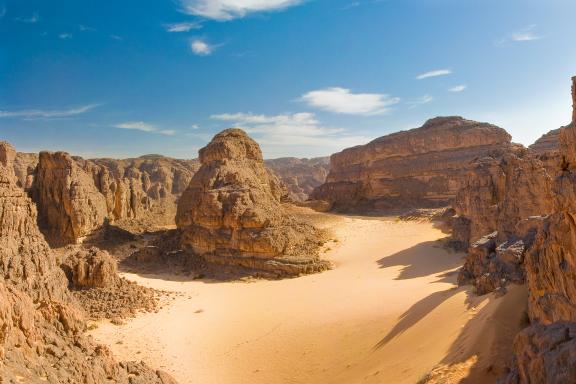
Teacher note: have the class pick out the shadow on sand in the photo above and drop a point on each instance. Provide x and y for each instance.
(422, 260)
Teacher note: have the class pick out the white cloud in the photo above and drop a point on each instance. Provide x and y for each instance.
(182, 27)
(31, 114)
(458, 88)
(435, 73)
(526, 34)
(144, 127)
(194, 126)
(341, 100)
(223, 10)
(65, 36)
(31, 20)
(297, 134)
(201, 48)
(521, 36)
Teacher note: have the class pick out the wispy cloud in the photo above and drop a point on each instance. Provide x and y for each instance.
(144, 127)
(201, 47)
(182, 27)
(458, 88)
(2, 12)
(116, 37)
(426, 99)
(288, 133)
(30, 20)
(65, 36)
(84, 28)
(435, 73)
(342, 100)
(523, 35)
(224, 10)
(31, 114)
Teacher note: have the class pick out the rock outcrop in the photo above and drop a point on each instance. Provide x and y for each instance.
(142, 190)
(422, 167)
(300, 176)
(70, 206)
(547, 150)
(41, 331)
(231, 212)
(546, 351)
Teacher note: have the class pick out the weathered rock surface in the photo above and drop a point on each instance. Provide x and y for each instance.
(498, 192)
(422, 167)
(231, 212)
(546, 351)
(300, 176)
(24, 168)
(547, 150)
(69, 205)
(41, 331)
(143, 190)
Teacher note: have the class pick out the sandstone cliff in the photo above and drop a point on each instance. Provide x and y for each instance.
(231, 212)
(300, 176)
(143, 190)
(422, 167)
(546, 352)
(69, 204)
(41, 331)
(547, 150)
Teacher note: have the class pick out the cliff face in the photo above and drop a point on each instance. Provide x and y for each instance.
(300, 176)
(546, 351)
(41, 330)
(231, 212)
(70, 207)
(144, 189)
(419, 167)
(547, 150)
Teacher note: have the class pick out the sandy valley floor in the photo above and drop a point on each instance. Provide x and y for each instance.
(389, 312)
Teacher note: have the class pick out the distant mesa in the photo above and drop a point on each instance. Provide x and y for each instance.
(422, 167)
(232, 213)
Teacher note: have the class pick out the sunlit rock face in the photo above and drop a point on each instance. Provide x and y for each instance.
(422, 167)
(41, 329)
(546, 352)
(69, 204)
(231, 212)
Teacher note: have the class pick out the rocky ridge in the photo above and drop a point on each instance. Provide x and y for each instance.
(41, 329)
(300, 176)
(232, 214)
(422, 167)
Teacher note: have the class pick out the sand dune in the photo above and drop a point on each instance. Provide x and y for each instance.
(389, 312)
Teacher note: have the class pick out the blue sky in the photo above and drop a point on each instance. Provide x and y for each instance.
(305, 78)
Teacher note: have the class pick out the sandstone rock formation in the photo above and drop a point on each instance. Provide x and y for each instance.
(547, 150)
(143, 189)
(24, 168)
(546, 352)
(69, 205)
(422, 167)
(300, 176)
(231, 212)
(41, 331)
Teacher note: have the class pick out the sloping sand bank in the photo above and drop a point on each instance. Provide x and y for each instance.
(389, 312)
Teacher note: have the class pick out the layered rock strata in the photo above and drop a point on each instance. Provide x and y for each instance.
(422, 167)
(545, 352)
(231, 212)
(70, 206)
(300, 176)
(41, 331)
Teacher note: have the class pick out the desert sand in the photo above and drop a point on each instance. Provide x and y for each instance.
(389, 312)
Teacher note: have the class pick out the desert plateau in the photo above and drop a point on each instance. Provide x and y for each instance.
(287, 192)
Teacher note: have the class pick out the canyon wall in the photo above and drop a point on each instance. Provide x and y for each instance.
(41, 329)
(232, 214)
(545, 352)
(300, 176)
(422, 167)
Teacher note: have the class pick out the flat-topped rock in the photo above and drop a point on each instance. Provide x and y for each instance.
(422, 167)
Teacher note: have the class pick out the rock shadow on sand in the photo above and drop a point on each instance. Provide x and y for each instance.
(424, 259)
